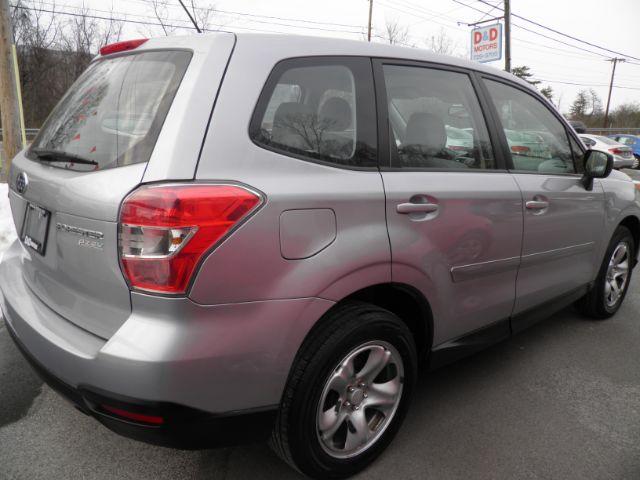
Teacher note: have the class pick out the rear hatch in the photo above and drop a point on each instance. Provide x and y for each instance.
(67, 188)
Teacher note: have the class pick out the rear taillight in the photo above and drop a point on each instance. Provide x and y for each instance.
(165, 230)
(618, 151)
(520, 149)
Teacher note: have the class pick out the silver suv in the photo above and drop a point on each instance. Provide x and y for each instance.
(233, 238)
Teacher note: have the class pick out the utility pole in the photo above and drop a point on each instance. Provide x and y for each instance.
(614, 61)
(507, 36)
(370, 16)
(9, 103)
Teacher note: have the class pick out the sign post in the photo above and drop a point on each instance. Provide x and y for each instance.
(486, 43)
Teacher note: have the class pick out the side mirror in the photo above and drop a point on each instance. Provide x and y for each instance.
(596, 165)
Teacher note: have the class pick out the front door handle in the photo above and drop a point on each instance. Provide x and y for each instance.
(537, 204)
(416, 207)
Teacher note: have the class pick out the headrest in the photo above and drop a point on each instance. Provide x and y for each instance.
(336, 113)
(426, 130)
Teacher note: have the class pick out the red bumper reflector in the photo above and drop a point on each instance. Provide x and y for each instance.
(136, 417)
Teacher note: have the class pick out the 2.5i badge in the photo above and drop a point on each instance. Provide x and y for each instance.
(88, 238)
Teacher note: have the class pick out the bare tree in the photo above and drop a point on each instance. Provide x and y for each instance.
(53, 51)
(82, 37)
(395, 33)
(442, 43)
(203, 15)
(161, 12)
(37, 34)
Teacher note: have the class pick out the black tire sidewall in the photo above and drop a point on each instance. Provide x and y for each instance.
(305, 447)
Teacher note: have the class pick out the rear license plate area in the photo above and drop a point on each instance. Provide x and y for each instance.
(36, 228)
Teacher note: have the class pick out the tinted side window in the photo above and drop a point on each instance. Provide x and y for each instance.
(538, 141)
(435, 120)
(320, 109)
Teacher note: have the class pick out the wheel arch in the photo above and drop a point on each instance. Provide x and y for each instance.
(403, 300)
(633, 224)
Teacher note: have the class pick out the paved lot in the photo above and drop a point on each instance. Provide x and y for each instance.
(559, 401)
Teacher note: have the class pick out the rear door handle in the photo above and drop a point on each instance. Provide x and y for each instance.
(416, 207)
(537, 204)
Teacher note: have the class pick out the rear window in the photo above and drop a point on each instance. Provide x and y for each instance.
(607, 140)
(112, 115)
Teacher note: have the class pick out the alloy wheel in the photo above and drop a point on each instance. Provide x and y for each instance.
(617, 274)
(360, 399)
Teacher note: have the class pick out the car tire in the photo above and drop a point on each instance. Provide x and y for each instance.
(351, 338)
(611, 285)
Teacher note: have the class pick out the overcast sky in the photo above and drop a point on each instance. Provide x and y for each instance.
(615, 26)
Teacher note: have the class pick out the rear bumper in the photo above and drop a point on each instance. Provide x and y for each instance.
(183, 427)
(621, 162)
(207, 365)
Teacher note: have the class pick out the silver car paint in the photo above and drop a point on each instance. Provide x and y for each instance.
(230, 344)
(560, 242)
(85, 285)
(216, 358)
(467, 250)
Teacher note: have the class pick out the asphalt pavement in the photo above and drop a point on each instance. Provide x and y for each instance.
(558, 401)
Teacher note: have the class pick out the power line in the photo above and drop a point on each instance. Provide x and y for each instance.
(569, 53)
(173, 20)
(286, 19)
(565, 34)
(173, 25)
(413, 13)
(488, 13)
(586, 84)
(125, 20)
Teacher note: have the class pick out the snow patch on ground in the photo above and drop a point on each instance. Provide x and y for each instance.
(7, 229)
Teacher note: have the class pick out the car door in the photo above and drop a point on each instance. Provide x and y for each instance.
(454, 213)
(563, 221)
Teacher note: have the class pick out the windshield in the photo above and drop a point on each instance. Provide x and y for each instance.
(113, 114)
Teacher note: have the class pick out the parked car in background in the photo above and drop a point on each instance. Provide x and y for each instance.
(632, 141)
(622, 154)
(528, 144)
(578, 126)
(459, 140)
(238, 237)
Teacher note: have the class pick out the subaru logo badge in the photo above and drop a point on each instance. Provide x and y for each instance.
(22, 182)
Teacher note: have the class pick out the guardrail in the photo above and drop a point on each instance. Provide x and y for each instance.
(29, 132)
(610, 131)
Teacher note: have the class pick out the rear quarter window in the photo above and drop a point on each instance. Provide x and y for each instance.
(319, 109)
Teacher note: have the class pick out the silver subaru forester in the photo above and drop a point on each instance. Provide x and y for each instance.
(230, 238)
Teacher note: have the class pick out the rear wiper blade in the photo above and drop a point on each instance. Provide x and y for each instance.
(60, 156)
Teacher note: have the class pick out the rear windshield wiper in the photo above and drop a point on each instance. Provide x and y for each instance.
(60, 156)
